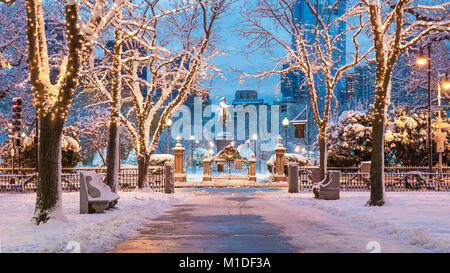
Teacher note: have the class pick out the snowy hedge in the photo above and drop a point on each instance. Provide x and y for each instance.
(301, 160)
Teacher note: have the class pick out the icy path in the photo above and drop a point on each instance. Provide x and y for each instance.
(254, 222)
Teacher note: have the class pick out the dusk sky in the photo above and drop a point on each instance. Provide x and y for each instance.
(238, 59)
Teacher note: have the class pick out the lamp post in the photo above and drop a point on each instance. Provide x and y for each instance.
(255, 138)
(285, 123)
(192, 138)
(169, 123)
(422, 60)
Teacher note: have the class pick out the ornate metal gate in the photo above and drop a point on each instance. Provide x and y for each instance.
(229, 164)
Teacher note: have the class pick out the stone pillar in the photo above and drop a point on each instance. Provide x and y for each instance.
(293, 177)
(206, 164)
(279, 162)
(169, 176)
(252, 174)
(180, 175)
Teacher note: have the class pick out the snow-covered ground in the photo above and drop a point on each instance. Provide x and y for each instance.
(93, 232)
(418, 218)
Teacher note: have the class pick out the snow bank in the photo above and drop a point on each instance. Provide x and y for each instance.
(93, 232)
(421, 219)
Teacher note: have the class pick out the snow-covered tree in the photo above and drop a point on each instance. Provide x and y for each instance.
(315, 49)
(12, 47)
(176, 45)
(52, 100)
(93, 127)
(394, 30)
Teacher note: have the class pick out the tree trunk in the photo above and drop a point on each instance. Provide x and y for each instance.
(49, 177)
(377, 160)
(323, 155)
(112, 171)
(143, 162)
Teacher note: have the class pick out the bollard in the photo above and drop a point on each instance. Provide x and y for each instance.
(169, 178)
(293, 177)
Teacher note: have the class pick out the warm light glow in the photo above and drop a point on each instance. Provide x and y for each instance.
(169, 122)
(211, 144)
(297, 149)
(446, 84)
(421, 59)
(192, 137)
(255, 137)
(285, 122)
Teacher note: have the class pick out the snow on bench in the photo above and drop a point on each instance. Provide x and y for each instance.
(95, 196)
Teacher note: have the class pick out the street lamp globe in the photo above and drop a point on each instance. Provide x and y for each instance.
(285, 122)
(169, 122)
(446, 83)
(421, 59)
(255, 137)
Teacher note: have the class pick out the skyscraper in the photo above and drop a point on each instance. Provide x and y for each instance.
(291, 83)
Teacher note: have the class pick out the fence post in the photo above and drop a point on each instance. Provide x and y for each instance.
(206, 163)
(169, 183)
(279, 162)
(180, 175)
(293, 177)
(252, 162)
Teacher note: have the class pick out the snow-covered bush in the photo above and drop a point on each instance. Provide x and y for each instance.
(70, 146)
(349, 139)
(405, 137)
(301, 160)
(155, 159)
(406, 134)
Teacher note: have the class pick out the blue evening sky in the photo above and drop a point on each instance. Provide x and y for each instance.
(238, 59)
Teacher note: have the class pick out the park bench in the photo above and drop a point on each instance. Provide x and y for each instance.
(95, 196)
(328, 189)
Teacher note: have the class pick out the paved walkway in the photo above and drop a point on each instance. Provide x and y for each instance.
(251, 223)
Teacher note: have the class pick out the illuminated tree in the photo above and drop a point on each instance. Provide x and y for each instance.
(176, 46)
(315, 49)
(53, 100)
(395, 27)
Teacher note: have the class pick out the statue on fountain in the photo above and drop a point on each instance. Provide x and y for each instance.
(223, 138)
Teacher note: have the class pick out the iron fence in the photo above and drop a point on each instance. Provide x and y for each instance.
(394, 181)
(70, 180)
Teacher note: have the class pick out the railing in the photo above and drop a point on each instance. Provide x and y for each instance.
(394, 181)
(70, 180)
